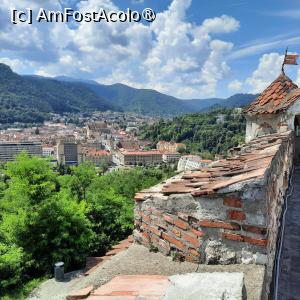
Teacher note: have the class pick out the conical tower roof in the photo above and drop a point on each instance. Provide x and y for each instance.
(278, 96)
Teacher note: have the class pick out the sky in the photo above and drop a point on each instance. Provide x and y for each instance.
(193, 49)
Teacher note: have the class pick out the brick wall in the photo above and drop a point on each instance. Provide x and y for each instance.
(188, 230)
(236, 224)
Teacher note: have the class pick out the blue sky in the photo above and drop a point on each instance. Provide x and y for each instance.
(194, 49)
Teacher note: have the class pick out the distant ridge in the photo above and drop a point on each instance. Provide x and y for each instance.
(130, 98)
(31, 98)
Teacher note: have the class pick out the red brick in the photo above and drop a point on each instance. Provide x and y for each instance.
(155, 230)
(176, 232)
(157, 213)
(81, 294)
(151, 228)
(191, 239)
(173, 241)
(194, 252)
(255, 229)
(137, 223)
(233, 236)
(164, 245)
(193, 221)
(183, 216)
(232, 201)
(169, 219)
(154, 239)
(256, 242)
(236, 215)
(197, 232)
(145, 226)
(139, 197)
(145, 235)
(140, 213)
(160, 225)
(181, 224)
(192, 259)
(219, 224)
(145, 218)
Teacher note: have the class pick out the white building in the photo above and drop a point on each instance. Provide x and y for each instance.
(171, 157)
(191, 162)
(49, 151)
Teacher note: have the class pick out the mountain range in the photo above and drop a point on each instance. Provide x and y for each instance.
(29, 98)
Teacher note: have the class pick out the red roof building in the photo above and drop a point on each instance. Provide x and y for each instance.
(275, 110)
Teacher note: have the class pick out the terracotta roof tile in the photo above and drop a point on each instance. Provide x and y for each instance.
(278, 96)
(92, 263)
(136, 286)
(252, 161)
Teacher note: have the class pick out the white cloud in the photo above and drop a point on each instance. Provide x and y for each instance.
(235, 85)
(267, 71)
(171, 54)
(223, 24)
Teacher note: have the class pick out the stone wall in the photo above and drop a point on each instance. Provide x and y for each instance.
(237, 223)
(276, 187)
(221, 229)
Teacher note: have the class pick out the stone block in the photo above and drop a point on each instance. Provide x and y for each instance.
(195, 286)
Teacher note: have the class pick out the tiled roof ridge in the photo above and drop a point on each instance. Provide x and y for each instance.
(276, 97)
(251, 162)
(92, 263)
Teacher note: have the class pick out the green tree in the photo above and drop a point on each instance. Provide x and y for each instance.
(82, 177)
(40, 223)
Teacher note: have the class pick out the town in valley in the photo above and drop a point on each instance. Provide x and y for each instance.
(108, 140)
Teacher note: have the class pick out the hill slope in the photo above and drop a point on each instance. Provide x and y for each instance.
(142, 101)
(201, 132)
(29, 99)
(152, 102)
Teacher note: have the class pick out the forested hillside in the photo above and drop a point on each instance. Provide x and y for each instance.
(29, 100)
(203, 133)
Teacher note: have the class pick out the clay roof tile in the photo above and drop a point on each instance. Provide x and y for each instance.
(276, 97)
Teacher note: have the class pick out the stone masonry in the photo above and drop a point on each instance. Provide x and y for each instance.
(224, 214)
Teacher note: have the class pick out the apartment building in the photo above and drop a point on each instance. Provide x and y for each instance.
(127, 157)
(98, 156)
(9, 150)
(171, 157)
(69, 152)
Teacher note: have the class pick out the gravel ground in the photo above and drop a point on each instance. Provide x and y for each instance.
(138, 260)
